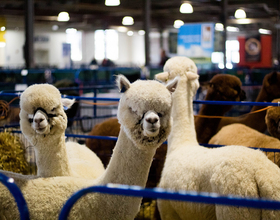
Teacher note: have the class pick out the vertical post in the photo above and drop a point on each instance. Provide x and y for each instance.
(224, 22)
(28, 46)
(147, 15)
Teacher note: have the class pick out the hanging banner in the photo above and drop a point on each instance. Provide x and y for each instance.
(196, 41)
(253, 49)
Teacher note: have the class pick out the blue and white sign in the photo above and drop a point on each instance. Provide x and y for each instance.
(196, 41)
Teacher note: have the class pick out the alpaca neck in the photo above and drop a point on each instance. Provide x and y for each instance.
(183, 130)
(52, 158)
(129, 164)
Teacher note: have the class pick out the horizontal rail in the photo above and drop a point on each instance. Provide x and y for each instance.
(195, 101)
(159, 193)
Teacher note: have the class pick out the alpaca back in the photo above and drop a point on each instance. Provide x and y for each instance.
(239, 134)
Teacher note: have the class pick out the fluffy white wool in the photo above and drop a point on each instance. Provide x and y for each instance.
(47, 135)
(234, 170)
(130, 162)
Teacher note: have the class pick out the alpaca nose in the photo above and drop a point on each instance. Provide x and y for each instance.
(152, 120)
(38, 120)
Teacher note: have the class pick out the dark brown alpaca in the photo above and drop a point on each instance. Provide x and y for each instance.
(270, 90)
(222, 87)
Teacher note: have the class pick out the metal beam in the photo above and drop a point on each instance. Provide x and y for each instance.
(29, 43)
(147, 20)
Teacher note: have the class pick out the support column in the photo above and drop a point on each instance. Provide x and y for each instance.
(147, 20)
(29, 34)
(224, 22)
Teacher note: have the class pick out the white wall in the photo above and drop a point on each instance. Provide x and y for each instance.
(131, 48)
(14, 48)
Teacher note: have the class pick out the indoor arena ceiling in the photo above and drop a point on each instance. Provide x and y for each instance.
(93, 14)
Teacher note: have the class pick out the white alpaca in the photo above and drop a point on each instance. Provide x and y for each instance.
(144, 114)
(43, 122)
(228, 170)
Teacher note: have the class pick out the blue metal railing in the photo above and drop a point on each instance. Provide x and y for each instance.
(159, 193)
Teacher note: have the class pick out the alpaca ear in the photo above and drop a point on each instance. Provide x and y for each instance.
(192, 76)
(273, 78)
(163, 77)
(67, 103)
(123, 83)
(171, 86)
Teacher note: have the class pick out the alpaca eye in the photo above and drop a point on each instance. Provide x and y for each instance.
(159, 115)
(30, 120)
(53, 109)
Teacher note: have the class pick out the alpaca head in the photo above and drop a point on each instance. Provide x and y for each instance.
(180, 67)
(176, 66)
(42, 111)
(144, 110)
(225, 87)
(272, 120)
(271, 85)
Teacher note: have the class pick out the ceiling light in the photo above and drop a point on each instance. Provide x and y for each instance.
(178, 23)
(122, 29)
(3, 28)
(264, 31)
(240, 13)
(127, 20)
(112, 2)
(71, 30)
(129, 33)
(186, 8)
(219, 27)
(63, 16)
(232, 29)
(141, 32)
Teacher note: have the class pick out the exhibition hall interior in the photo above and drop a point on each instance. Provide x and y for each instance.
(124, 98)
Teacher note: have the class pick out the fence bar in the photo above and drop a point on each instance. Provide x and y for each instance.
(159, 193)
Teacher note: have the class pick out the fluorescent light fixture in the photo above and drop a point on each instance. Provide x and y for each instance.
(127, 20)
(122, 29)
(112, 2)
(178, 23)
(264, 31)
(232, 29)
(243, 21)
(3, 28)
(63, 16)
(71, 30)
(219, 27)
(186, 8)
(141, 32)
(240, 13)
(130, 33)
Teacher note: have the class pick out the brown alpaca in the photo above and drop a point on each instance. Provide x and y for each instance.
(222, 87)
(104, 148)
(272, 120)
(240, 134)
(270, 90)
